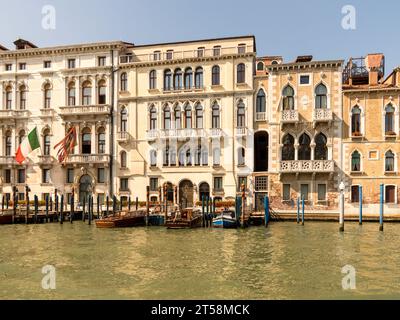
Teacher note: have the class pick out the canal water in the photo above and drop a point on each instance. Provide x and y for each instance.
(285, 261)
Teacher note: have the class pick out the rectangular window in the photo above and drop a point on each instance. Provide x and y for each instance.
(242, 181)
(261, 183)
(153, 184)
(321, 192)
(69, 198)
(355, 194)
(21, 176)
(45, 195)
(157, 55)
(390, 194)
(7, 197)
(304, 192)
(200, 52)
(8, 67)
(216, 51)
(101, 198)
(218, 184)
(7, 176)
(170, 54)
(47, 64)
(286, 192)
(46, 176)
(304, 80)
(101, 175)
(241, 49)
(101, 61)
(70, 175)
(71, 63)
(21, 196)
(22, 66)
(124, 184)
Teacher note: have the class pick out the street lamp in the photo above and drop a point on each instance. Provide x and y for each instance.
(342, 187)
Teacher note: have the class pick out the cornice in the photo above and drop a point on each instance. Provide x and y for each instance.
(305, 65)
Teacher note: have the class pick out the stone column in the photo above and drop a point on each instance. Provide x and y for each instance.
(94, 140)
(296, 152)
(313, 145)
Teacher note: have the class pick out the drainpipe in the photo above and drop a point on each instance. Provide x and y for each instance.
(111, 165)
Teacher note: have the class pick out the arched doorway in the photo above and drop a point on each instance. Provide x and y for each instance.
(204, 190)
(186, 194)
(261, 146)
(85, 187)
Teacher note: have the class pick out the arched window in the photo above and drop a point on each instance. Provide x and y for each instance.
(389, 120)
(261, 104)
(21, 136)
(86, 141)
(199, 116)
(355, 162)
(188, 78)
(124, 120)
(178, 78)
(288, 148)
(101, 141)
(199, 78)
(241, 156)
(241, 73)
(356, 121)
(260, 66)
(167, 117)
(46, 142)
(166, 156)
(178, 117)
(22, 97)
(389, 161)
(153, 158)
(153, 79)
(216, 156)
(288, 98)
(304, 147)
(216, 121)
(8, 98)
(123, 159)
(86, 93)
(321, 100)
(204, 156)
(47, 96)
(167, 80)
(8, 143)
(172, 156)
(102, 92)
(188, 117)
(321, 150)
(71, 94)
(216, 75)
(124, 81)
(153, 118)
(241, 115)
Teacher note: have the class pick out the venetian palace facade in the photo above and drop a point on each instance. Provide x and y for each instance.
(202, 118)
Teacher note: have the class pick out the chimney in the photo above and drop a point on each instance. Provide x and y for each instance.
(375, 65)
(21, 44)
(373, 76)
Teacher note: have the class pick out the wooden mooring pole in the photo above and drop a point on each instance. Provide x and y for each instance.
(382, 208)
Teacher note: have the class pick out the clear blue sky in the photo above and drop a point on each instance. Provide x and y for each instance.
(287, 28)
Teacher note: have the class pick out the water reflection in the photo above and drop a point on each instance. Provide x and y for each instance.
(285, 261)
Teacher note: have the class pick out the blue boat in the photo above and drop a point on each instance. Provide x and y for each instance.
(226, 220)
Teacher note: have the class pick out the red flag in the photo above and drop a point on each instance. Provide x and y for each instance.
(66, 145)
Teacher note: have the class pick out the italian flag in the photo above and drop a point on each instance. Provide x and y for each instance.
(29, 144)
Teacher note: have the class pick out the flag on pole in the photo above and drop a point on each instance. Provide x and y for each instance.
(28, 145)
(66, 145)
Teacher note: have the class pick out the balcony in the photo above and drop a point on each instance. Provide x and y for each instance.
(123, 137)
(215, 133)
(71, 111)
(290, 116)
(100, 159)
(183, 89)
(322, 115)
(307, 166)
(261, 116)
(13, 114)
(46, 160)
(7, 161)
(152, 135)
(47, 113)
(187, 54)
(241, 132)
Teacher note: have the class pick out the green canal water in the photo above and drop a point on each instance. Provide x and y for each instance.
(285, 261)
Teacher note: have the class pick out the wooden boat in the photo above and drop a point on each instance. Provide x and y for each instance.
(187, 219)
(123, 220)
(6, 219)
(226, 220)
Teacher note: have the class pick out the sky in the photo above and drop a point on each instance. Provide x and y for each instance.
(289, 28)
